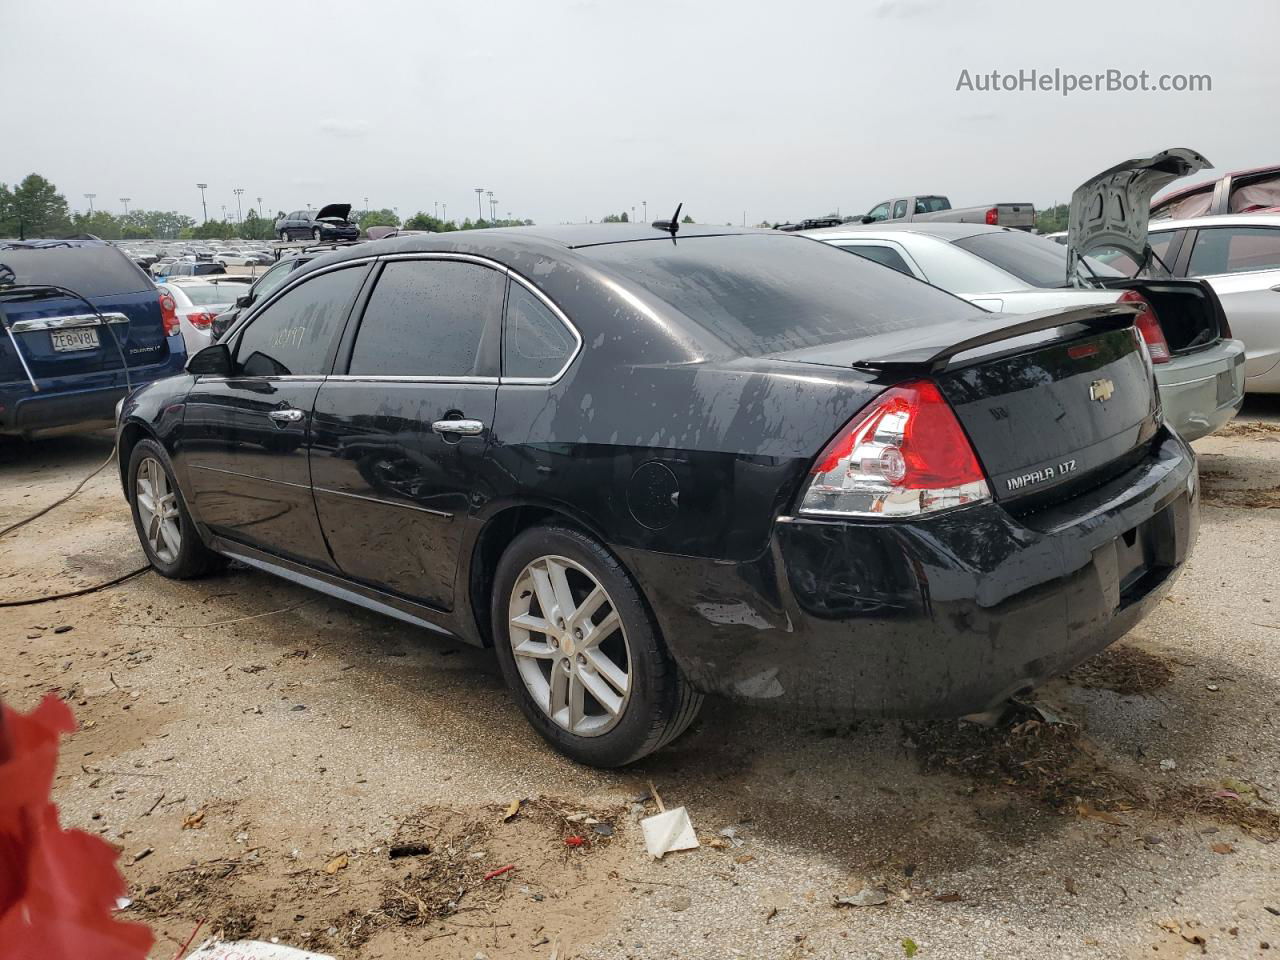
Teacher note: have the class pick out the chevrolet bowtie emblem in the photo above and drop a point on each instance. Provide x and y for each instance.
(1101, 390)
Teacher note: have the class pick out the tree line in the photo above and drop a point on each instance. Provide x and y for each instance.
(35, 208)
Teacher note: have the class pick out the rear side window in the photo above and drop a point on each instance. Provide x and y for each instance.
(899, 209)
(1235, 250)
(428, 318)
(1033, 260)
(535, 343)
(886, 256)
(293, 334)
(765, 293)
(92, 271)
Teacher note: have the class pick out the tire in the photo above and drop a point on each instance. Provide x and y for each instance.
(192, 558)
(658, 703)
(284, 236)
(316, 235)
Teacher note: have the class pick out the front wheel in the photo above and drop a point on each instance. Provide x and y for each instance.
(284, 236)
(160, 516)
(581, 653)
(316, 235)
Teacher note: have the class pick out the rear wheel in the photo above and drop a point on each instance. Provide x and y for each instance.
(284, 236)
(580, 652)
(160, 516)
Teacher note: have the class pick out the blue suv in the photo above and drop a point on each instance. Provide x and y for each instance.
(80, 324)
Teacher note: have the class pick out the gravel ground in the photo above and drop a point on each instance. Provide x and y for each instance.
(306, 736)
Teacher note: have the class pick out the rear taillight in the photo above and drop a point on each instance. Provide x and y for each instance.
(201, 321)
(168, 313)
(1148, 325)
(993, 217)
(904, 455)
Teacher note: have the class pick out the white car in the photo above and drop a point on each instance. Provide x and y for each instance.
(1239, 256)
(197, 301)
(242, 258)
(1200, 371)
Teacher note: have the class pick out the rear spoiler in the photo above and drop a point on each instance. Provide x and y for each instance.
(929, 349)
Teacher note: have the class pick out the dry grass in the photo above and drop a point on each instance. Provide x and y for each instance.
(1123, 669)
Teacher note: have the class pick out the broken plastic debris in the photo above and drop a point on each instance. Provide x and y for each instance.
(668, 831)
(866, 897)
(1168, 765)
(251, 950)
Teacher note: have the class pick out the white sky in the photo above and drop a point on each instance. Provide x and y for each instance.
(571, 110)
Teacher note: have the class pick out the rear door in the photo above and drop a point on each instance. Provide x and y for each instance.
(244, 437)
(400, 436)
(1242, 264)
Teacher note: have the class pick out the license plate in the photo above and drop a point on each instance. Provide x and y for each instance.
(66, 341)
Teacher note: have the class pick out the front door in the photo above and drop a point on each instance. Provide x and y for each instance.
(399, 437)
(244, 437)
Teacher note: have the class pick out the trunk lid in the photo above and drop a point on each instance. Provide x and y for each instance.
(1053, 402)
(1113, 208)
(58, 335)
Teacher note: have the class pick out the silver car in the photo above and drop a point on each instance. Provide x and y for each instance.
(1201, 376)
(1239, 256)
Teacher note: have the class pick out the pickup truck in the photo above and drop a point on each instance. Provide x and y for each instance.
(80, 325)
(1020, 216)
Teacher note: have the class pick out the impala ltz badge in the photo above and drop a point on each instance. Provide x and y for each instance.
(1101, 390)
(1041, 475)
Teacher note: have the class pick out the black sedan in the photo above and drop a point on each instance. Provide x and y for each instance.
(330, 222)
(647, 466)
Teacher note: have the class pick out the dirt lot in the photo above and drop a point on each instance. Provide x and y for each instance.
(258, 752)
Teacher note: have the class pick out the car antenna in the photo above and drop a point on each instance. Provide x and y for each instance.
(672, 225)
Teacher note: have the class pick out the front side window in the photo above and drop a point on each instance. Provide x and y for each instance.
(880, 211)
(428, 318)
(535, 343)
(1235, 250)
(292, 336)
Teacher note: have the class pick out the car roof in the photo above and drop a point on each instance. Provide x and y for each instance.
(1222, 220)
(496, 241)
(941, 230)
(1205, 185)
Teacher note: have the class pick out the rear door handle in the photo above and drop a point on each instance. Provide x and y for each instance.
(458, 428)
(287, 415)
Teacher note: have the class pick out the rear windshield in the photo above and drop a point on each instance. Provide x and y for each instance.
(766, 293)
(204, 295)
(92, 271)
(1034, 260)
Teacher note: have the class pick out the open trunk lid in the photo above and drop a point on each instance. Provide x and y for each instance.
(1113, 208)
(1049, 414)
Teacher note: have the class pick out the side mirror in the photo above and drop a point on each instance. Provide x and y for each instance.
(245, 301)
(866, 219)
(213, 361)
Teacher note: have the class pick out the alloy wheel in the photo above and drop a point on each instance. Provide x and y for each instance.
(570, 646)
(158, 510)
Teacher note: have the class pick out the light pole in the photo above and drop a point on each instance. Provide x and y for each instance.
(479, 208)
(489, 194)
(203, 206)
(89, 197)
(444, 211)
(633, 214)
(646, 210)
(366, 204)
(239, 214)
(224, 213)
(435, 208)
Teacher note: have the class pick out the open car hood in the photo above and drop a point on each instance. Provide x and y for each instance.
(1113, 208)
(334, 211)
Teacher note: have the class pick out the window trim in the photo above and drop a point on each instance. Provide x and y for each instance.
(1195, 239)
(505, 271)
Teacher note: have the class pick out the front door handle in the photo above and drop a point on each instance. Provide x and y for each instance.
(458, 428)
(287, 415)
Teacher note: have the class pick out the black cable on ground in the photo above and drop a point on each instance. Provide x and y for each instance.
(76, 593)
(57, 503)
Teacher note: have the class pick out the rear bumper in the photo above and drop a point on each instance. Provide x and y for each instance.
(86, 401)
(1202, 391)
(936, 617)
